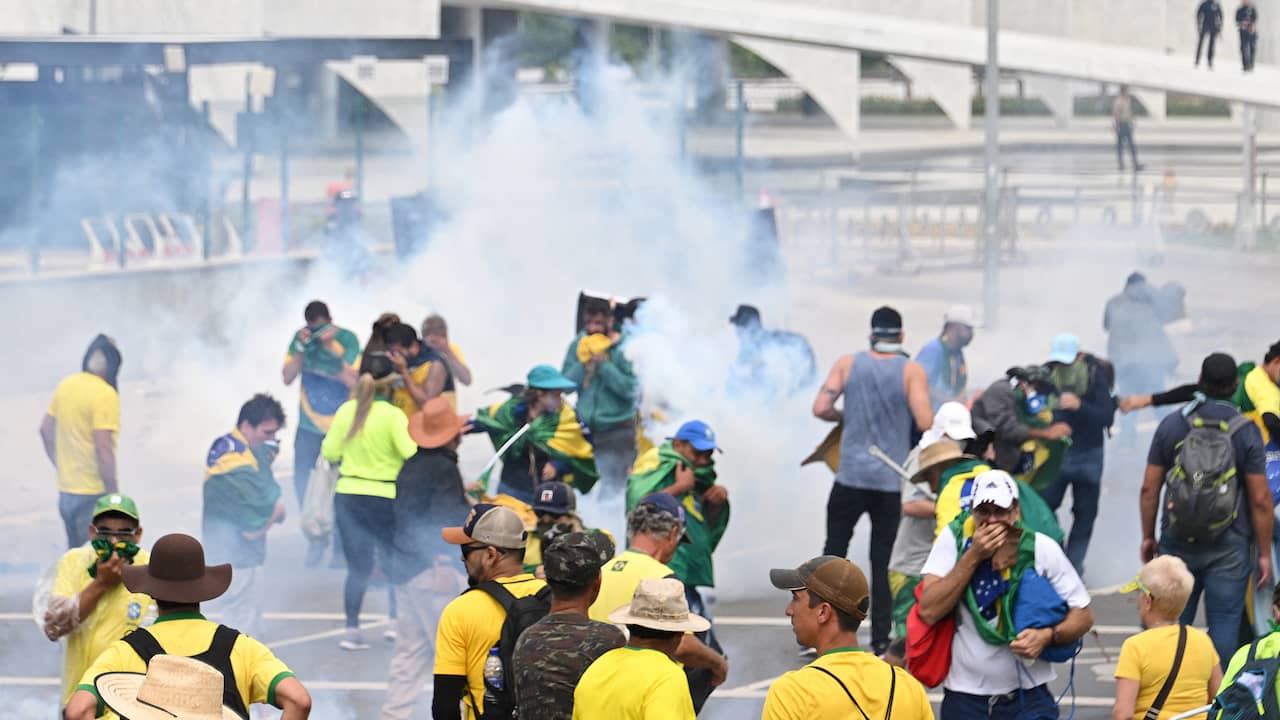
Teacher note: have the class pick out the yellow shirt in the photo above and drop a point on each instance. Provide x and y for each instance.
(633, 684)
(1148, 657)
(619, 578)
(1265, 396)
(118, 613)
(471, 624)
(81, 404)
(257, 670)
(402, 398)
(808, 694)
(372, 459)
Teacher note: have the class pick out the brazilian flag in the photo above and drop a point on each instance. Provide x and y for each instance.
(1041, 459)
(656, 470)
(1036, 514)
(560, 437)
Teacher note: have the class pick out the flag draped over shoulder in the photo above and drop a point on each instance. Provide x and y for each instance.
(563, 438)
(654, 471)
(1041, 459)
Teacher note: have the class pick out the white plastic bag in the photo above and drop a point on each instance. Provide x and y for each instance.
(317, 506)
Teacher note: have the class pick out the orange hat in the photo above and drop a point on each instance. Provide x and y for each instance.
(435, 425)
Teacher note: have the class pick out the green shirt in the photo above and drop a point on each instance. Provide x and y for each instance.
(372, 459)
(322, 390)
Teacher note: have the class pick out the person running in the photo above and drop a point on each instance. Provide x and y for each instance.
(89, 605)
(885, 395)
(943, 357)
(1166, 654)
(608, 393)
(1137, 344)
(79, 432)
(556, 445)
(829, 597)
(179, 580)
(241, 503)
(324, 356)
(370, 438)
(552, 654)
(1208, 26)
(769, 362)
(642, 681)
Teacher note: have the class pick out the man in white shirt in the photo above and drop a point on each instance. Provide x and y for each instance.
(974, 571)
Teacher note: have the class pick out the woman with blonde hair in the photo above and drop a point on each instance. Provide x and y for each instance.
(370, 438)
(1168, 668)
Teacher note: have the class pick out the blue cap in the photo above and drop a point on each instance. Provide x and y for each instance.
(545, 377)
(1065, 348)
(668, 505)
(555, 498)
(698, 434)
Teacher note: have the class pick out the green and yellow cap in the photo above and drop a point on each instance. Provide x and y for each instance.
(116, 502)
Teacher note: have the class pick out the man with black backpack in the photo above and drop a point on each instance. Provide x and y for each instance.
(179, 581)
(477, 634)
(1085, 403)
(1210, 462)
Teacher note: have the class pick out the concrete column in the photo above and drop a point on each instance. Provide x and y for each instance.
(951, 86)
(1056, 94)
(1268, 49)
(327, 83)
(596, 35)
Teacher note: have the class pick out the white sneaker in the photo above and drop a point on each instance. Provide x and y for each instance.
(352, 641)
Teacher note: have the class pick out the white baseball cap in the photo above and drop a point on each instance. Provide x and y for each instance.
(955, 421)
(960, 315)
(995, 486)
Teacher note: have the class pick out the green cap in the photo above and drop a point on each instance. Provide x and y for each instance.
(116, 502)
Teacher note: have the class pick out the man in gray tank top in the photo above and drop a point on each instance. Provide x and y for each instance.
(886, 401)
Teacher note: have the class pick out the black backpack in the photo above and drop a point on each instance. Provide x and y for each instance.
(521, 613)
(1254, 685)
(1104, 370)
(218, 655)
(1202, 489)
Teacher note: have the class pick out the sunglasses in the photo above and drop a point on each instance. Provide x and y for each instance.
(468, 549)
(109, 533)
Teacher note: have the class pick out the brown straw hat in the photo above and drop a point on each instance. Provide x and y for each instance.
(174, 688)
(177, 573)
(436, 424)
(942, 452)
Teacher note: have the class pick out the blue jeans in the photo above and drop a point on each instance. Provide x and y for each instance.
(1082, 472)
(306, 450)
(1034, 704)
(1221, 572)
(77, 513)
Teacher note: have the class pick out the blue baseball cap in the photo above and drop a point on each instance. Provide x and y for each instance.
(545, 377)
(555, 498)
(667, 504)
(1065, 348)
(698, 434)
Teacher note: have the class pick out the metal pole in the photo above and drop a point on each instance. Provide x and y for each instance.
(359, 123)
(206, 147)
(740, 167)
(1246, 230)
(284, 191)
(991, 205)
(429, 145)
(247, 171)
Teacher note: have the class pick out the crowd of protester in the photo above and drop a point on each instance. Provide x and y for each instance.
(514, 605)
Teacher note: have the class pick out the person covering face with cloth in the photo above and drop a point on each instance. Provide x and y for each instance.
(976, 570)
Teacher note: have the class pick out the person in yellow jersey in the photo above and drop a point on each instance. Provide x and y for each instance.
(88, 604)
(474, 676)
(556, 505)
(655, 528)
(642, 680)
(422, 373)
(79, 434)
(370, 438)
(435, 335)
(178, 579)
(829, 601)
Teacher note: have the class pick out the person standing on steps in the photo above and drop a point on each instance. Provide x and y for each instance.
(1122, 122)
(1208, 25)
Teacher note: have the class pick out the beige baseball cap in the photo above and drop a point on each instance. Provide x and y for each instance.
(488, 524)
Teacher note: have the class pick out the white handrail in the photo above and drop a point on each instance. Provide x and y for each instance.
(1193, 713)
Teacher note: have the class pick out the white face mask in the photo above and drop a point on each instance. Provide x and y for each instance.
(884, 346)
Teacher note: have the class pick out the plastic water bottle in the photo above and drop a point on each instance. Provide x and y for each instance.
(492, 676)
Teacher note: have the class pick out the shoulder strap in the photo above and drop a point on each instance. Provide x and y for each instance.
(1238, 423)
(219, 656)
(893, 685)
(498, 592)
(1153, 712)
(145, 644)
(853, 700)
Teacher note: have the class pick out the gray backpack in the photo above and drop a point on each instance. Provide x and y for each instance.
(1202, 489)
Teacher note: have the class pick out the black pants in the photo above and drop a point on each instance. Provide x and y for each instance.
(367, 526)
(1213, 39)
(1124, 134)
(1248, 47)
(845, 507)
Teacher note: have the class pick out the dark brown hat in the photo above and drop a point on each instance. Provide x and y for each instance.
(177, 573)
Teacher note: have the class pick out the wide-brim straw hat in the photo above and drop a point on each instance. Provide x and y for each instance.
(660, 604)
(173, 688)
(942, 452)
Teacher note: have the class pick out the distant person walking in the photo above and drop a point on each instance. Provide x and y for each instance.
(1247, 23)
(1122, 121)
(1209, 25)
(79, 433)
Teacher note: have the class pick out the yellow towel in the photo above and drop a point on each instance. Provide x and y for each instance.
(593, 344)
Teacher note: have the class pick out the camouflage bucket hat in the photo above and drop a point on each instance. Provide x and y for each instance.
(575, 558)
